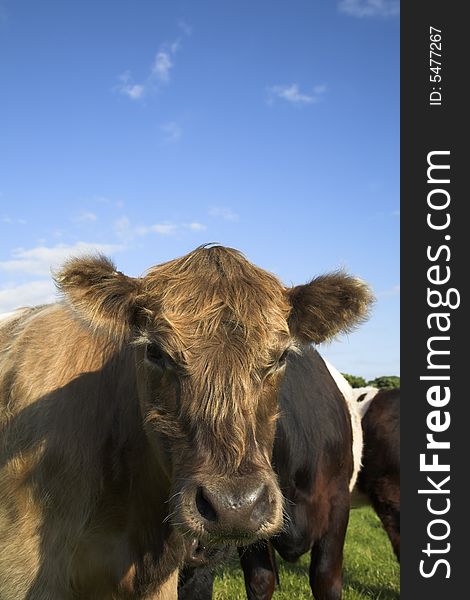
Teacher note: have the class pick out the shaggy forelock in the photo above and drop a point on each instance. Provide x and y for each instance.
(213, 300)
(222, 320)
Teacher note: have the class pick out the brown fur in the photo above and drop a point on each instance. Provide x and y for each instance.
(106, 299)
(102, 451)
(328, 305)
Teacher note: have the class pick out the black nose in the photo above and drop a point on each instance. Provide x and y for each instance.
(240, 513)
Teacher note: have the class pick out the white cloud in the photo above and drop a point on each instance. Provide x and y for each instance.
(370, 8)
(27, 294)
(164, 228)
(172, 132)
(40, 260)
(12, 221)
(185, 27)
(86, 217)
(196, 226)
(175, 46)
(159, 74)
(291, 93)
(160, 228)
(163, 64)
(126, 231)
(126, 87)
(223, 212)
(319, 89)
(108, 201)
(122, 224)
(134, 91)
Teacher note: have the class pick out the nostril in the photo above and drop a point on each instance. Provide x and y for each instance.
(260, 506)
(204, 506)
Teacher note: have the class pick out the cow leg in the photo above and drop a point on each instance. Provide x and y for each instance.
(260, 570)
(385, 498)
(195, 583)
(326, 564)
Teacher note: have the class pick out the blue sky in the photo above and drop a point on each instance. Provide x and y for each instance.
(145, 128)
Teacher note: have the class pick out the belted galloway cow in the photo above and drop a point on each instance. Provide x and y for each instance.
(138, 415)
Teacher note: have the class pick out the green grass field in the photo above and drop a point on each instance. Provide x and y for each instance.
(370, 568)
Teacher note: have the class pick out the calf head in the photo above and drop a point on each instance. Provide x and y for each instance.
(211, 333)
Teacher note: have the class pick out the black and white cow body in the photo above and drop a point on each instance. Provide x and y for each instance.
(379, 477)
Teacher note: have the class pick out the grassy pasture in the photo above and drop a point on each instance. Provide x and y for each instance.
(370, 568)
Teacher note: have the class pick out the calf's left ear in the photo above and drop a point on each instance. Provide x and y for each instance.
(104, 298)
(328, 305)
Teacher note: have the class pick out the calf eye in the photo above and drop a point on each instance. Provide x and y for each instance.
(156, 356)
(281, 361)
(276, 363)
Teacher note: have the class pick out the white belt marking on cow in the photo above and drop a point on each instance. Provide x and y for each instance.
(368, 393)
(355, 414)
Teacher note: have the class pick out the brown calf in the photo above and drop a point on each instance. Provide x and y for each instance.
(140, 412)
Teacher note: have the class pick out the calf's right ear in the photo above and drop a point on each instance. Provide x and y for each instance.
(106, 299)
(328, 305)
